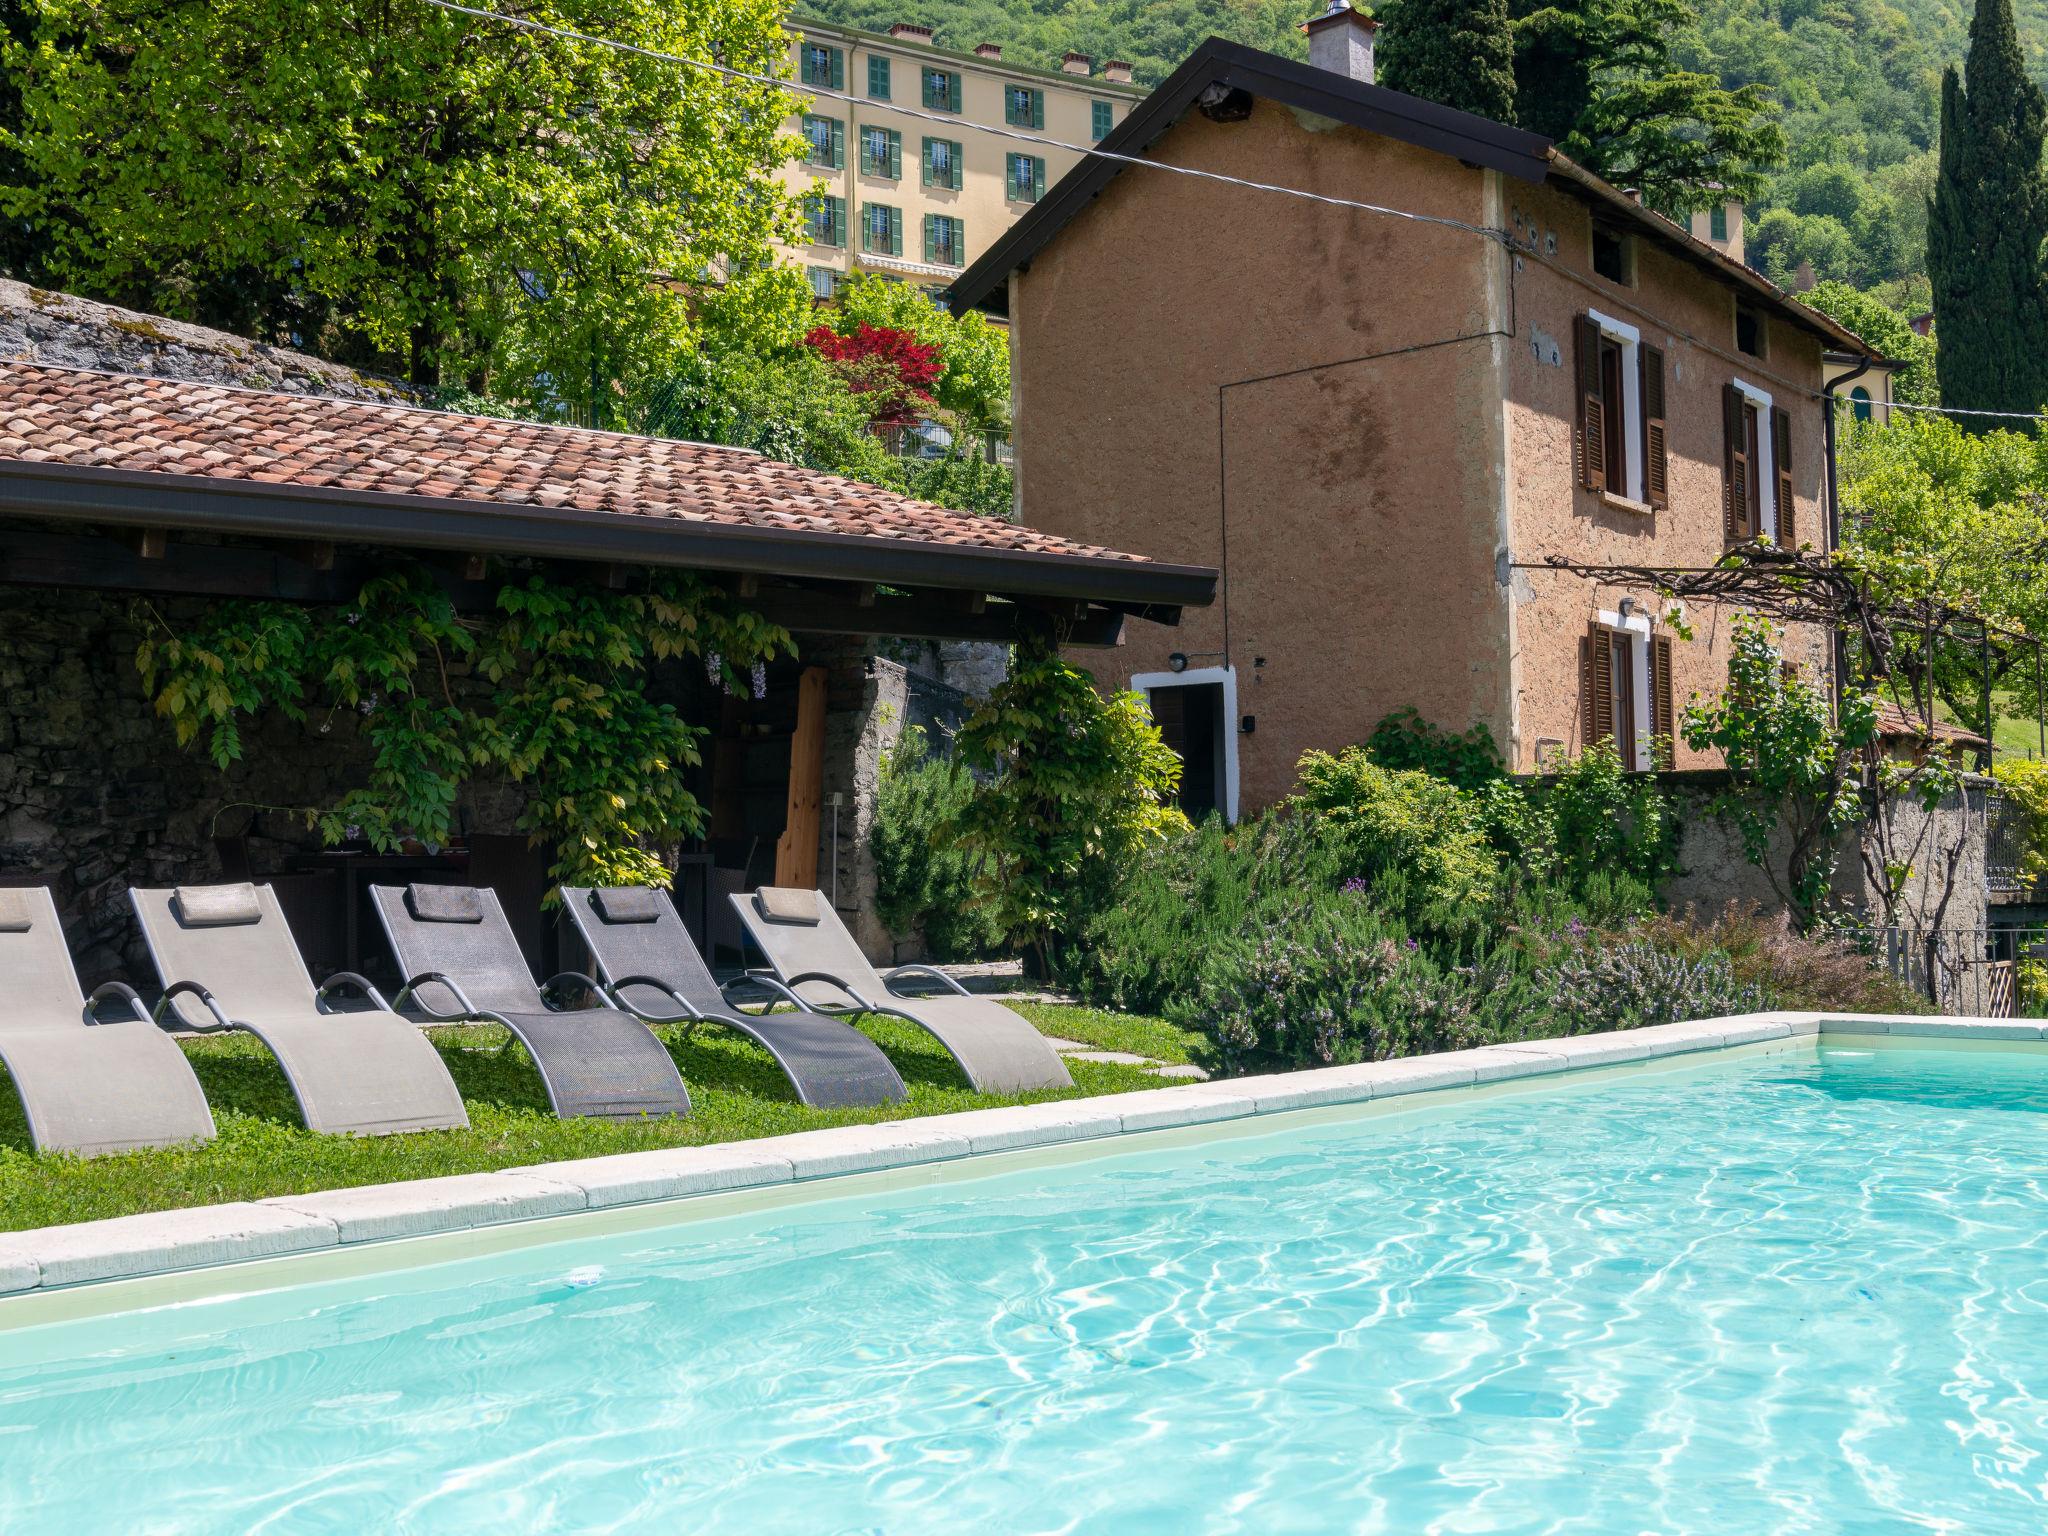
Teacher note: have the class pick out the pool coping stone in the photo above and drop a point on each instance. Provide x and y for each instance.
(196, 1237)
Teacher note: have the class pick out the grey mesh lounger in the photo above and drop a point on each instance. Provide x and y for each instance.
(464, 963)
(228, 961)
(643, 954)
(85, 1086)
(817, 959)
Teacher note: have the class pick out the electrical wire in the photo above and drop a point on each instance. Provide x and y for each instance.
(947, 120)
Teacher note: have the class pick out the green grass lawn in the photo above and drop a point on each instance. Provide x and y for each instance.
(736, 1091)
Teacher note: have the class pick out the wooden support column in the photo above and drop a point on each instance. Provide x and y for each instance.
(796, 851)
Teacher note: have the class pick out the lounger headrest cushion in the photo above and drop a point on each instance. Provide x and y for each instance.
(14, 913)
(444, 903)
(787, 904)
(627, 904)
(217, 906)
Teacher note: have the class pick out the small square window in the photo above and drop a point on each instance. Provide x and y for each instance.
(1749, 331)
(1611, 253)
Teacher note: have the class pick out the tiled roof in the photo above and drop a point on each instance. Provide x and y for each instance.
(1894, 723)
(174, 427)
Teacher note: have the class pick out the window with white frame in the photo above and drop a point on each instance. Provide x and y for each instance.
(1614, 449)
(1757, 471)
(1629, 699)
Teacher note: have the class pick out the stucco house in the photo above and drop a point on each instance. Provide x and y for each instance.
(1381, 427)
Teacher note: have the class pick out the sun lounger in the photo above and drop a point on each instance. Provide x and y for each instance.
(85, 1086)
(227, 961)
(817, 959)
(464, 963)
(643, 954)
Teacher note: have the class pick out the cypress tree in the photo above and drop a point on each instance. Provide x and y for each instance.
(1458, 52)
(1986, 225)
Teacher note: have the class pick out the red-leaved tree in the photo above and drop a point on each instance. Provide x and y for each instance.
(893, 369)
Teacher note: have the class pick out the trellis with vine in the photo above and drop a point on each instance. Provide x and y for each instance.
(560, 705)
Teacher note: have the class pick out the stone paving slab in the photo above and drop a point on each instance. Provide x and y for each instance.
(628, 1178)
(373, 1212)
(163, 1240)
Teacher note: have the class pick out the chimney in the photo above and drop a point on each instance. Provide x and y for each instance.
(1117, 72)
(1341, 41)
(907, 32)
(1077, 64)
(988, 50)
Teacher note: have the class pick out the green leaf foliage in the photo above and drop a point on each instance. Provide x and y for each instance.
(1458, 52)
(1070, 788)
(1987, 225)
(1791, 763)
(404, 188)
(550, 692)
(924, 882)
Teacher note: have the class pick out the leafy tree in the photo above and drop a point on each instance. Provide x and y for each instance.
(1885, 329)
(404, 187)
(891, 371)
(1069, 788)
(1458, 52)
(1601, 79)
(974, 357)
(1987, 224)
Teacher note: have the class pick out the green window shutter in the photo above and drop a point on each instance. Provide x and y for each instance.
(878, 77)
(1099, 119)
(895, 155)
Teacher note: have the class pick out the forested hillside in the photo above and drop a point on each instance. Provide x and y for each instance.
(1858, 83)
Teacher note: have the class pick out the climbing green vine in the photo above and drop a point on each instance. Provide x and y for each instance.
(548, 691)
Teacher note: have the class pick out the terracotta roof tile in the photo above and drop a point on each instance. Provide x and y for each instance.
(118, 421)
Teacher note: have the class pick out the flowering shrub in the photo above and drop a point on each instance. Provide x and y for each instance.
(891, 369)
(1635, 983)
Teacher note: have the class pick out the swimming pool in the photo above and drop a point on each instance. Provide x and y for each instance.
(1803, 1292)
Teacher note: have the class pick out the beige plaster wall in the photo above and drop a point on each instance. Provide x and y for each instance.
(1691, 318)
(1183, 340)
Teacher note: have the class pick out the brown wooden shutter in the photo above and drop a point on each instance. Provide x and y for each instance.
(1663, 703)
(1781, 467)
(1735, 464)
(1597, 683)
(1656, 465)
(1592, 433)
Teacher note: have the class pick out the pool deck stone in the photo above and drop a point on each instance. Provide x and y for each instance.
(159, 1242)
(372, 1212)
(630, 1178)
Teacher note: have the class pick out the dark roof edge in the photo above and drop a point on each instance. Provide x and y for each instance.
(155, 499)
(1461, 135)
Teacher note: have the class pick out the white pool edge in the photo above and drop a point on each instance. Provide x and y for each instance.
(201, 1252)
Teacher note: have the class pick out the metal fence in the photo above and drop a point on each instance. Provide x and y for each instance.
(1974, 972)
(2005, 846)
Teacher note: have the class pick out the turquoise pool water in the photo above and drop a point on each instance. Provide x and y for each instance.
(1782, 1295)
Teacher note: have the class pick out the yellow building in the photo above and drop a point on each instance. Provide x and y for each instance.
(920, 200)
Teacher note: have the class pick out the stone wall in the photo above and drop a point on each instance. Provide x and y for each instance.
(61, 329)
(95, 796)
